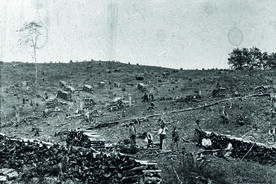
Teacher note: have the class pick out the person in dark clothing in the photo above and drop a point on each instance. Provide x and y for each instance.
(132, 135)
(145, 97)
(175, 138)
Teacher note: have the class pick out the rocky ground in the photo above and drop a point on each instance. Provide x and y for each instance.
(102, 108)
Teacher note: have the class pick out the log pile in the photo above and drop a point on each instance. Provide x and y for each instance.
(80, 139)
(151, 174)
(83, 165)
(242, 149)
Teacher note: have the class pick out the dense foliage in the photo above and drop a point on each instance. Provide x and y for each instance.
(251, 59)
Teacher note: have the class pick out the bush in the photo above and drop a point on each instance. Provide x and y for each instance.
(251, 59)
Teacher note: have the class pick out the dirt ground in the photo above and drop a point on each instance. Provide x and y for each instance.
(174, 90)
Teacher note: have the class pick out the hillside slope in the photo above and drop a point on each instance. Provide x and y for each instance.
(173, 90)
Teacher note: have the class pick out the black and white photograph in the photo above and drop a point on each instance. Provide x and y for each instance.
(138, 91)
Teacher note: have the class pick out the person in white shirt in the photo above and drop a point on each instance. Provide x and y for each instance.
(162, 135)
(148, 139)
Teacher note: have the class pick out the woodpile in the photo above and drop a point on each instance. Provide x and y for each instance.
(83, 165)
(241, 148)
(81, 139)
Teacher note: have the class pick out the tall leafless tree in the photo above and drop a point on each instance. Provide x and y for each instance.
(31, 33)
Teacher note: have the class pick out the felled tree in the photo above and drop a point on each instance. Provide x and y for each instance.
(31, 33)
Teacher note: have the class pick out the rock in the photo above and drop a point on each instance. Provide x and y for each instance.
(12, 175)
(3, 179)
(9, 174)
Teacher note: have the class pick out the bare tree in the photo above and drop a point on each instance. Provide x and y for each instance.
(31, 34)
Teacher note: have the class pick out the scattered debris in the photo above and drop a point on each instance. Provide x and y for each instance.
(88, 103)
(62, 84)
(52, 102)
(261, 89)
(117, 85)
(64, 95)
(87, 88)
(117, 104)
(101, 125)
(69, 89)
(142, 87)
(140, 77)
(220, 92)
(101, 84)
(8, 174)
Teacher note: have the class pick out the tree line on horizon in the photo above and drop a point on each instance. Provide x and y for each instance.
(251, 59)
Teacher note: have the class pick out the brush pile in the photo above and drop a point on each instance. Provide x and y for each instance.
(242, 149)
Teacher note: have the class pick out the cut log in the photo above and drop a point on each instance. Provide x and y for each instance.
(152, 171)
(156, 179)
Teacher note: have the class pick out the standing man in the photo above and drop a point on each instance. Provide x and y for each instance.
(162, 134)
(175, 138)
(132, 135)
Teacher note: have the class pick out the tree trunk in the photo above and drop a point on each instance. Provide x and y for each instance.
(35, 71)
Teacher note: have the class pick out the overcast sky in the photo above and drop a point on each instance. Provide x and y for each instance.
(179, 33)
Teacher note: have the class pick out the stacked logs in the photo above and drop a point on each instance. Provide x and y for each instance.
(81, 164)
(79, 139)
(242, 149)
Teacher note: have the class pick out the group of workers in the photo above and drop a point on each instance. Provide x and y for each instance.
(162, 133)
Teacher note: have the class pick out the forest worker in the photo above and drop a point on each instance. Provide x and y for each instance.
(148, 139)
(175, 138)
(162, 134)
(132, 135)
